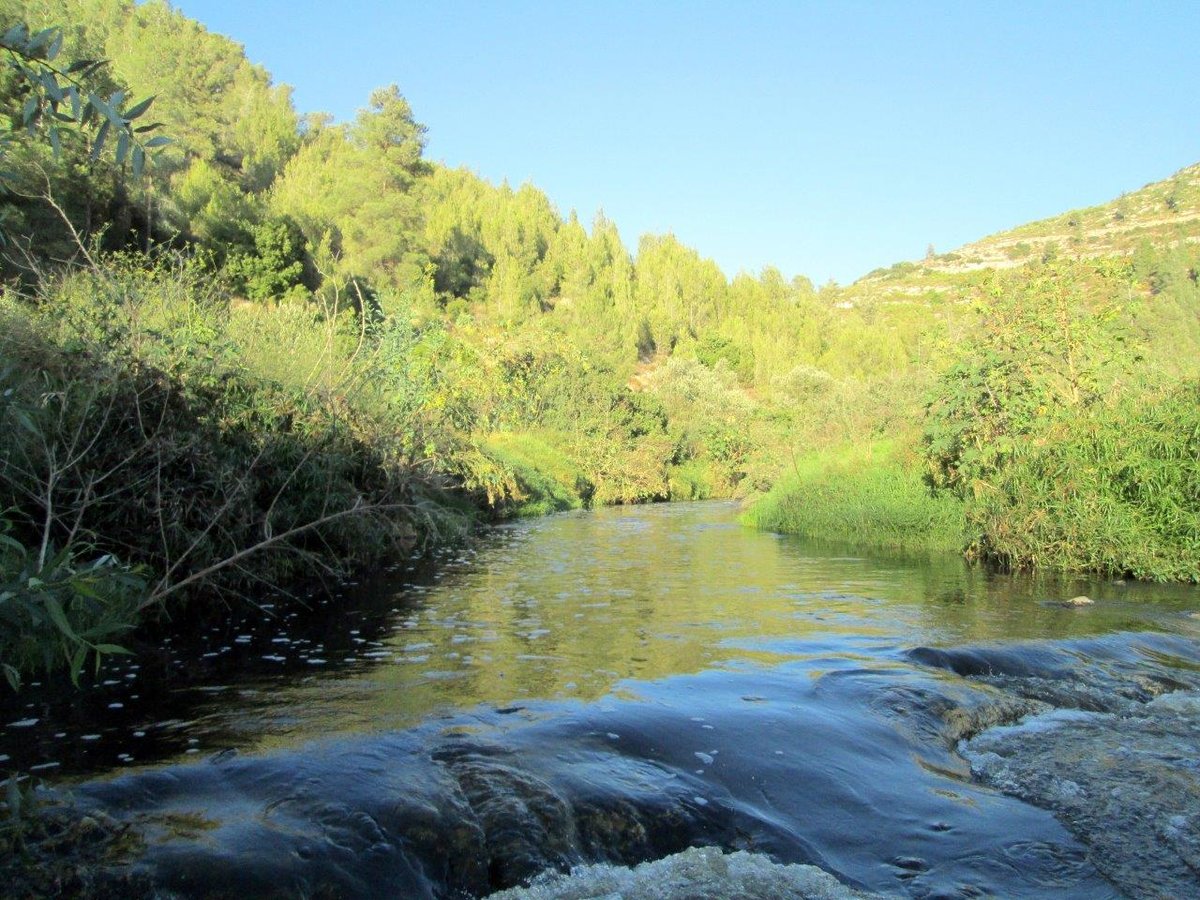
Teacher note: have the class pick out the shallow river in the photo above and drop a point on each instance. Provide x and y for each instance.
(617, 686)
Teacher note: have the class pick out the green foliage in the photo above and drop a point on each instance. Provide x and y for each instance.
(217, 106)
(804, 383)
(1066, 458)
(1115, 492)
(53, 94)
(1041, 351)
(131, 425)
(714, 348)
(692, 480)
(215, 209)
(710, 419)
(535, 478)
(60, 606)
(274, 270)
(870, 495)
(857, 350)
(646, 345)
(77, 148)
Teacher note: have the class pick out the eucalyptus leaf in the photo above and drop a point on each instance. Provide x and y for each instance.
(135, 112)
(59, 617)
(40, 40)
(113, 649)
(50, 83)
(98, 143)
(29, 111)
(16, 36)
(77, 659)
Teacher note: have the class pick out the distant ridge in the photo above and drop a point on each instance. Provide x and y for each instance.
(1163, 213)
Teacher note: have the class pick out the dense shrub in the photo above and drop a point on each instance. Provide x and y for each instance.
(534, 477)
(131, 435)
(1116, 492)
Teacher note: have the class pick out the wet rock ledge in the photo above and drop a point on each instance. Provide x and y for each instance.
(1126, 784)
(1111, 747)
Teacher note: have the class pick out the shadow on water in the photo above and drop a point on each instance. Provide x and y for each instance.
(615, 686)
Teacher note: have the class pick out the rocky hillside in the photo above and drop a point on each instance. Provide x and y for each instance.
(1163, 213)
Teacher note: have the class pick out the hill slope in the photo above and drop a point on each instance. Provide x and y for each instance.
(1162, 214)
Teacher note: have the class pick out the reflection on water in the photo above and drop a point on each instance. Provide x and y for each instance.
(566, 607)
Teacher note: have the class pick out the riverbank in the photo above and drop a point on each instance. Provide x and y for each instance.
(870, 495)
(165, 449)
(1112, 491)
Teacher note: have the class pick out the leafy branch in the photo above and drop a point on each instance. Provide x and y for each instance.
(56, 95)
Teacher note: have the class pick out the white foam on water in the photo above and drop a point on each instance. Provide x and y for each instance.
(698, 872)
(1043, 722)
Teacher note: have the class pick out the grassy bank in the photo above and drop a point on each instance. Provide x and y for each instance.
(1113, 489)
(146, 464)
(867, 494)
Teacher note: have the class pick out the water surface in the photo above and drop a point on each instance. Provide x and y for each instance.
(611, 686)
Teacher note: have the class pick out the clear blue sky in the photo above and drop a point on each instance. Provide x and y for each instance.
(825, 139)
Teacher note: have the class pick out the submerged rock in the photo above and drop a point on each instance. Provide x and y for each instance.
(698, 872)
(63, 852)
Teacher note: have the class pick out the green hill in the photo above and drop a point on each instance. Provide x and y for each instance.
(1162, 215)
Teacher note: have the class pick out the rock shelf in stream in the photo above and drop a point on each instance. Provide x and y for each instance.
(1112, 752)
(847, 768)
(1126, 784)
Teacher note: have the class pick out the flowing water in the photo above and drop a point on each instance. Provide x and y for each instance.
(620, 685)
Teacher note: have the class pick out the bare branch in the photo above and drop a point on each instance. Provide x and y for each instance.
(358, 509)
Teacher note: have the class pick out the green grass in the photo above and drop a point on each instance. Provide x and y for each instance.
(692, 480)
(869, 495)
(542, 479)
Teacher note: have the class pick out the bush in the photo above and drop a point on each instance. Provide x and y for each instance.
(130, 430)
(275, 268)
(1115, 492)
(691, 480)
(59, 606)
